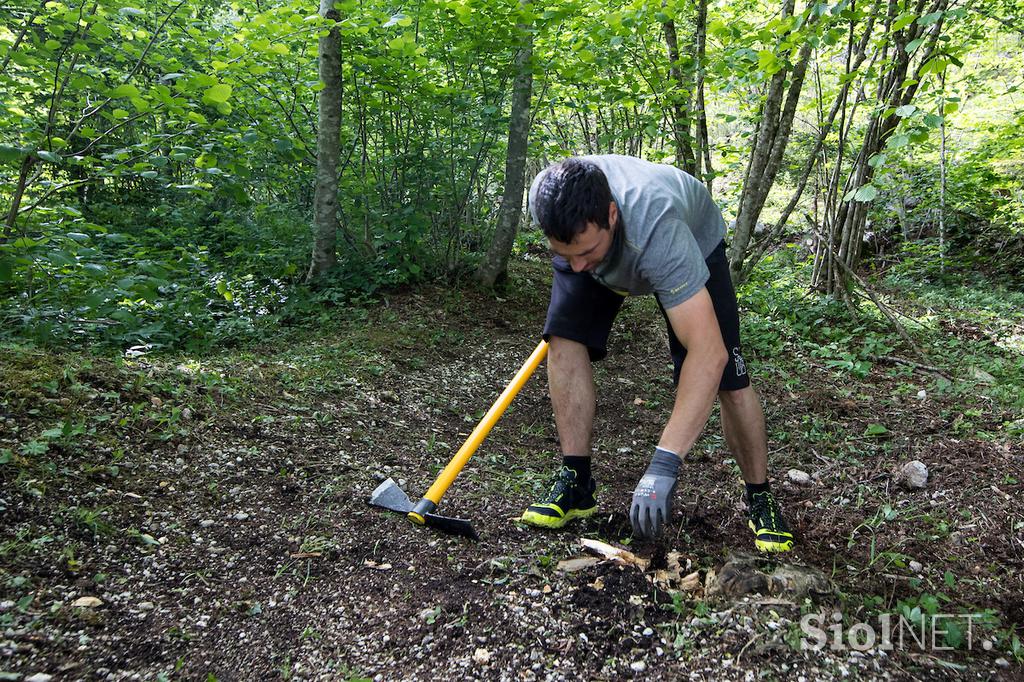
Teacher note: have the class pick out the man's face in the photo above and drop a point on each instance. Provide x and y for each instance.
(590, 247)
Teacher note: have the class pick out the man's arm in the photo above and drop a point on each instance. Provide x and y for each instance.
(696, 327)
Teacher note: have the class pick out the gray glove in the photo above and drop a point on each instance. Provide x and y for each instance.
(652, 498)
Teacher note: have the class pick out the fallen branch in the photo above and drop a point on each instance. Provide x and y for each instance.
(910, 363)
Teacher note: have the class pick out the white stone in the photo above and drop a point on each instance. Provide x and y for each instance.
(638, 666)
(799, 477)
(916, 567)
(914, 475)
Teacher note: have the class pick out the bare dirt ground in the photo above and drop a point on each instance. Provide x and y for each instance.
(207, 519)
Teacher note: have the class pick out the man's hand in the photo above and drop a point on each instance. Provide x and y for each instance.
(652, 498)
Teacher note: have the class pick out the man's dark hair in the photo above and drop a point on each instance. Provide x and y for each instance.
(571, 194)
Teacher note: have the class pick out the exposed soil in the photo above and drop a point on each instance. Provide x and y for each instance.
(218, 512)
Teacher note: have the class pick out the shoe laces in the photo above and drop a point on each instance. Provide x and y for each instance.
(565, 479)
(763, 507)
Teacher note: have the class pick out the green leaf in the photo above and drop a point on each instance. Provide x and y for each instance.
(866, 193)
(897, 141)
(60, 258)
(913, 45)
(222, 289)
(125, 90)
(10, 153)
(929, 19)
(875, 429)
(903, 20)
(130, 12)
(48, 156)
(217, 93)
(6, 269)
(906, 110)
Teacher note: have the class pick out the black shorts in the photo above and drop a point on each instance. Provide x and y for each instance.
(583, 310)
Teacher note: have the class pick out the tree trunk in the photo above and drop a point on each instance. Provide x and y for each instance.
(703, 146)
(680, 97)
(328, 149)
(897, 87)
(856, 54)
(495, 262)
(766, 156)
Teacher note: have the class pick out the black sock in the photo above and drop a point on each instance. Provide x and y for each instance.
(753, 488)
(581, 465)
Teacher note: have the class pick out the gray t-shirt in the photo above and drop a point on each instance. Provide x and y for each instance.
(668, 226)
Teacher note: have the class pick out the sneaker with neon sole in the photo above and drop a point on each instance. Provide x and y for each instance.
(566, 500)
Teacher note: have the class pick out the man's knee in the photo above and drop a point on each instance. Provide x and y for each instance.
(737, 397)
(562, 351)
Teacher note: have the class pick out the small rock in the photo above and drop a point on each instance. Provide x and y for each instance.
(481, 656)
(1002, 662)
(916, 567)
(146, 606)
(241, 516)
(39, 677)
(638, 666)
(206, 523)
(922, 394)
(798, 477)
(914, 475)
(86, 603)
(648, 632)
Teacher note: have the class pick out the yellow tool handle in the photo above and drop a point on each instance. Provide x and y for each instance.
(445, 478)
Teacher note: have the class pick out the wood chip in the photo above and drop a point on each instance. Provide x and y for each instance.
(598, 584)
(617, 554)
(691, 582)
(578, 564)
(304, 555)
(375, 566)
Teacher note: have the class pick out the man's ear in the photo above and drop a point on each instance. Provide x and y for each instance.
(613, 214)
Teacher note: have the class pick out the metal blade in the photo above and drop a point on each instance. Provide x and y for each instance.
(390, 496)
(452, 526)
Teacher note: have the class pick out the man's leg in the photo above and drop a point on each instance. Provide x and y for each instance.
(579, 320)
(744, 430)
(743, 426)
(571, 383)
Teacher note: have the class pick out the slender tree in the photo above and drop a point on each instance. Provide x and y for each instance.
(770, 141)
(328, 147)
(495, 262)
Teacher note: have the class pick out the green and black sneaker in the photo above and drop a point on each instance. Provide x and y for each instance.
(566, 501)
(771, 534)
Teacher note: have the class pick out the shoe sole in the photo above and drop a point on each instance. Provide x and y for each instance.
(768, 545)
(542, 521)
